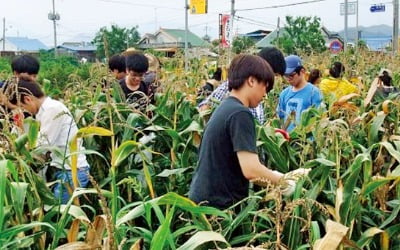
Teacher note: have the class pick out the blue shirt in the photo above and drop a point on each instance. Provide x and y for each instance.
(297, 101)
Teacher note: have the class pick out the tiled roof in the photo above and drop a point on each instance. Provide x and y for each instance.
(193, 39)
(26, 44)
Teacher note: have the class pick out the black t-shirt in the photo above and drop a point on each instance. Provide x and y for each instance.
(218, 179)
(142, 96)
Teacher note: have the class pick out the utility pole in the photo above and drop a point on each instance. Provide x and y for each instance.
(53, 16)
(186, 34)
(356, 25)
(231, 30)
(395, 38)
(4, 34)
(155, 20)
(278, 30)
(345, 23)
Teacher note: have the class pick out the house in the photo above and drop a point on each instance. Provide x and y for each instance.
(17, 45)
(268, 39)
(257, 35)
(81, 50)
(171, 40)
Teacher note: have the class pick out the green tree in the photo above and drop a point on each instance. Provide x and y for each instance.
(242, 43)
(114, 40)
(301, 35)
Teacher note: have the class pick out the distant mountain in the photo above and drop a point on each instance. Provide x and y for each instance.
(382, 30)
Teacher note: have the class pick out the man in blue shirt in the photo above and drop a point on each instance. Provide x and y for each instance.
(299, 96)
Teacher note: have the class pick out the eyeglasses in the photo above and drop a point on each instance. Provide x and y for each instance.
(136, 75)
(290, 75)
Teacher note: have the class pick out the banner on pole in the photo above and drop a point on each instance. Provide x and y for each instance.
(198, 6)
(225, 30)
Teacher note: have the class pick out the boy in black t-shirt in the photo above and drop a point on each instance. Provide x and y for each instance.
(228, 154)
(25, 67)
(135, 89)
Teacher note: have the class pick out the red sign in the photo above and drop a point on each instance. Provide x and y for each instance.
(225, 30)
(335, 46)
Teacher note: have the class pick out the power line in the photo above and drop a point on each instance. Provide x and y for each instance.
(282, 5)
(253, 21)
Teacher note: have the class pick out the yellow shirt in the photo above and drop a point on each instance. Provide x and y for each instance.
(336, 87)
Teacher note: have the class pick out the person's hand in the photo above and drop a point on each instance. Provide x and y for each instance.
(288, 187)
(291, 178)
(297, 174)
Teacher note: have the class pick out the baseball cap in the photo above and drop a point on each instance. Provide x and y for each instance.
(292, 62)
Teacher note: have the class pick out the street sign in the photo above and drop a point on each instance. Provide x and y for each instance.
(198, 6)
(351, 8)
(377, 8)
(335, 46)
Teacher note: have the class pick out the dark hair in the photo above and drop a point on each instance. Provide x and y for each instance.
(137, 62)
(386, 78)
(337, 70)
(275, 59)
(243, 66)
(315, 74)
(217, 74)
(25, 64)
(24, 88)
(117, 62)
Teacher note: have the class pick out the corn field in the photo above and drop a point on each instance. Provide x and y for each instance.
(137, 198)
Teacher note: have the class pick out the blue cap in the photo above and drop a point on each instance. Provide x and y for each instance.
(292, 62)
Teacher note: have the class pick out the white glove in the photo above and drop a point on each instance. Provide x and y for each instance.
(291, 178)
(290, 186)
(297, 174)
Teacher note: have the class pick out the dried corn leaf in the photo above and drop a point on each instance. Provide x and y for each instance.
(95, 232)
(346, 98)
(335, 232)
(73, 231)
(138, 245)
(77, 246)
(371, 92)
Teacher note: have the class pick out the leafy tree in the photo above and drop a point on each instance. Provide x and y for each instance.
(115, 40)
(242, 43)
(301, 35)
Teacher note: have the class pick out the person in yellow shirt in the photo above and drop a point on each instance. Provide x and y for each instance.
(336, 85)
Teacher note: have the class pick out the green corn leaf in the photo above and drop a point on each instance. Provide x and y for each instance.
(392, 151)
(33, 131)
(20, 142)
(373, 185)
(393, 215)
(123, 151)
(18, 191)
(15, 230)
(135, 212)
(374, 128)
(315, 231)
(367, 236)
(163, 232)
(349, 186)
(3, 180)
(193, 127)
(200, 238)
(73, 145)
(133, 120)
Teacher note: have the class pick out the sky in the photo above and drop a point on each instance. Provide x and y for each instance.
(81, 19)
